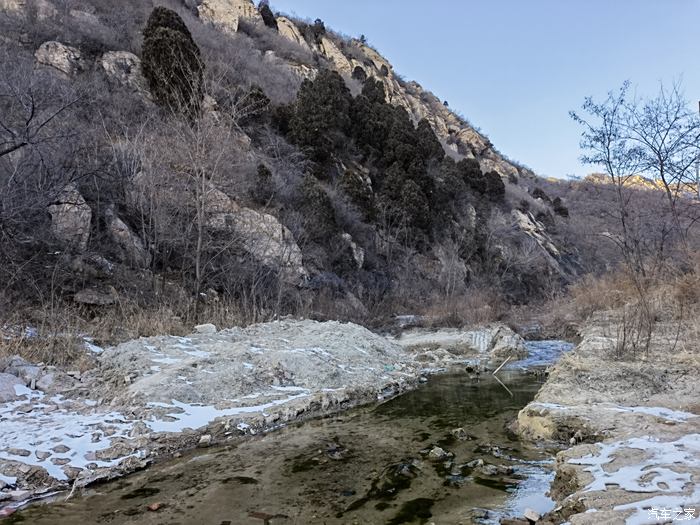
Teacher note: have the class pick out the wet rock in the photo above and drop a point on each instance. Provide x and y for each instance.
(532, 515)
(461, 434)
(61, 449)
(42, 454)
(489, 469)
(438, 454)
(475, 463)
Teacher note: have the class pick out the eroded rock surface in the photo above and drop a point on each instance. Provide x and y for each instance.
(71, 218)
(124, 68)
(261, 234)
(65, 58)
(290, 31)
(227, 13)
(494, 342)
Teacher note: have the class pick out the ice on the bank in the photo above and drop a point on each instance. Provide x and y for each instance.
(83, 433)
(192, 416)
(655, 474)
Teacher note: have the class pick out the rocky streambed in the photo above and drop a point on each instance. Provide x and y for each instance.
(149, 399)
(440, 453)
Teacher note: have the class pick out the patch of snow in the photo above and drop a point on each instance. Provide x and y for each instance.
(82, 433)
(652, 475)
(198, 416)
(665, 413)
(662, 412)
(90, 346)
(166, 360)
(675, 501)
(8, 480)
(684, 451)
(198, 353)
(21, 390)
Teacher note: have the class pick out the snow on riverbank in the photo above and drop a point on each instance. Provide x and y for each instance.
(152, 397)
(633, 427)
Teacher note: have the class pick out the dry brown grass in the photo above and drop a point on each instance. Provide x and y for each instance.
(477, 306)
(56, 336)
(606, 292)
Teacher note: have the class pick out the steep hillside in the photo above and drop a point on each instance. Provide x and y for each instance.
(304, 176)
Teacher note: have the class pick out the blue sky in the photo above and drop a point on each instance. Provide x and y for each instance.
(515, 68)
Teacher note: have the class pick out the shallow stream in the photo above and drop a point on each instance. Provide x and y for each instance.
(371, 465)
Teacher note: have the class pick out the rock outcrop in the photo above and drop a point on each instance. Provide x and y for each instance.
(42, 8)
(226, 14)
(261, 234)
(526, 223)
(290, 31)
(492, 342)
(132, 248)
(151, 398)
(331, 51)
(71, 218)
(124, 68)
(66, 59)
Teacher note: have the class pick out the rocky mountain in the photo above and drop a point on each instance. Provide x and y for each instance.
(313, 179)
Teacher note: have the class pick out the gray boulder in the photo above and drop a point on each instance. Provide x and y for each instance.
(8, 392)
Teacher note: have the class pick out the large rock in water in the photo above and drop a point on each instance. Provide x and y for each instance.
(71, 218)
(66, 59)
(227, 13)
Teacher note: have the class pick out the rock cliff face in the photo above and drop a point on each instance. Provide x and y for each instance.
(226, 13)
(457, 135)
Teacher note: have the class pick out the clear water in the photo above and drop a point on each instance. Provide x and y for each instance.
(365, 466)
